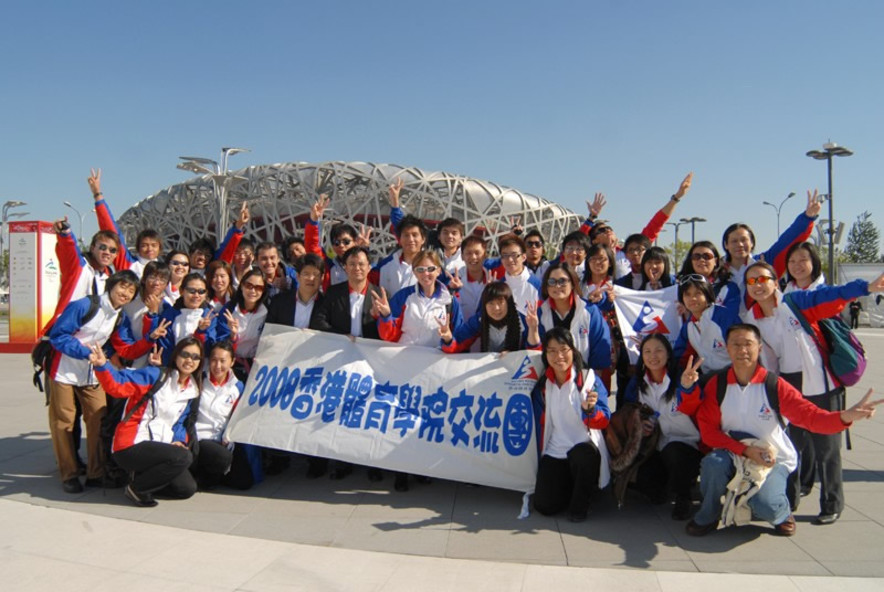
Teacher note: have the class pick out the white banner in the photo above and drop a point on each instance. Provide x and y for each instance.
(465, 417)
(641, 313)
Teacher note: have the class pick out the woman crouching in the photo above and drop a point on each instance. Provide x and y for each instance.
(151, 441)
(572, 410)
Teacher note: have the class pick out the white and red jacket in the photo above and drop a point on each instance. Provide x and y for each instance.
(217, 402)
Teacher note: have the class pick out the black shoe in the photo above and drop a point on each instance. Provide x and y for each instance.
(94, 482)
(72, 486)
(401, 482)
(824, 519)
(275, 465)
(698, 530)
(142, 500)
(577, 516)
(81, 466)
(375, 475)
(340, 472)
(682, 509)
(805, 491)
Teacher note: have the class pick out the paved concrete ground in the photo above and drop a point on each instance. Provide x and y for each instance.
(293, 533)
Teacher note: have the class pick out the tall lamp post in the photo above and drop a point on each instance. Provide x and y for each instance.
(222, 181)
(778, 208)
(692, 221)
(79, 215)
(675, 248)
(14, 203)
(829, 150)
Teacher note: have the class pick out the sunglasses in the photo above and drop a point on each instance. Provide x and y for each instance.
(179, 263)
(251, 286)
(342, 242)
(762, 279)
(200, 291)
(534, 244)
(691, 277)
(103, 247)
(557, 282)
(425, 269)
(189, 356)
(702, 256)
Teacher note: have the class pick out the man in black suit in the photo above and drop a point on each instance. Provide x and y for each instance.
(300, 307)
(346, 308)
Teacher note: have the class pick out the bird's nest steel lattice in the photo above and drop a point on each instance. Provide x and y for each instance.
(280, 196)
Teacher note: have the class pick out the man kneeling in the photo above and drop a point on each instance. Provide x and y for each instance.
(744, 407)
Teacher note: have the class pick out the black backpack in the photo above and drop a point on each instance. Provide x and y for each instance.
(43, 353)
(770, 389)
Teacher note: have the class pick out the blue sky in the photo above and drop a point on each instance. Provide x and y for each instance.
(560, 99)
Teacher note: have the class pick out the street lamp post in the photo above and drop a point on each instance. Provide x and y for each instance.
(222, 181)
(3, 220)
(829, 150)
(675, 248)
(692, 221)
(778, 208)
(79, 215)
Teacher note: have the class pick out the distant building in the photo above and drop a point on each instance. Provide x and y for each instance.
(280, 196)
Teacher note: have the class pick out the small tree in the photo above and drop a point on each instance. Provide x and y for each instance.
(862, 241)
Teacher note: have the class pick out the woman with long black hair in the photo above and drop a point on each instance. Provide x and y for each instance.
(496, 327)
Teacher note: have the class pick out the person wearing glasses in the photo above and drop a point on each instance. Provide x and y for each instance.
(575, 247)
(703, 259)
(634, 247)
(510, 268)
(571, 407)
(190, 316)
(148, 303)
(535, 256)
(738, 241)
(242, 320)
(179, 267)
(154, 438)
(800, 363)
(219, 276)
(702, 335)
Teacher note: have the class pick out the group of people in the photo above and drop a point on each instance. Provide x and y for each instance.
(153, 348)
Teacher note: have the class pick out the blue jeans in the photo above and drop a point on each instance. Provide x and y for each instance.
(717, 469)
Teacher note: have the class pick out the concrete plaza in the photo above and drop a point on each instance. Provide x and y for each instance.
(290, 533)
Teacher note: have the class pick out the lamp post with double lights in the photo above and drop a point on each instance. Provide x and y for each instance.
(829, 150)
(692, 221)
(779, 208)
(222, 181)
(675, 248)
(79, 215)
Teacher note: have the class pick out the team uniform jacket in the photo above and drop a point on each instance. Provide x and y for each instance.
(250, 325)
(787, 340)
(392, 273)
(576, 389)
(78, 277)
(412, 319)
(470, 294)
(747, 410)
(525, 286)
(792, 286)
(675, 424)
(469, 334)
(162, 419)
(216, 403)
(622, 266)
(591, 333)
(185, 323)
(705, 338)
(69, 338)
(797, 232)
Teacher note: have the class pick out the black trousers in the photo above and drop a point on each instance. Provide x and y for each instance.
(158, 467)
(673, 469)
(567, 483)
(827, 454)
(215, 463)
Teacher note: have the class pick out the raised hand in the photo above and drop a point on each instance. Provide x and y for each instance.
(156, 356)
(381, 304)
(444, 329)
(864, 409)
(153, 302)
(814, 204)
(596, 205)
(233, 324)
(96, 355)
(161, 330)
(877, 285)
(589, 402)
(394, 190)
(691, 375)
(685, 186)
(454, 281)
(244, 216)
(364, 238)
(62, 226)
(94, 181)
(531, 318)
(318, 208)
(516, 225)
(206, 321)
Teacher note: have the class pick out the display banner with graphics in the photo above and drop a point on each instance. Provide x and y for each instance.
(465, 417)
(641, 313)
(34, 279)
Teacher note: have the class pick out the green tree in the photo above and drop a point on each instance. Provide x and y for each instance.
(862, 241)
(683, 248)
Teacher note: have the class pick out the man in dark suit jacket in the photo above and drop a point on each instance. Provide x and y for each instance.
(334, 314)
(289, 308)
